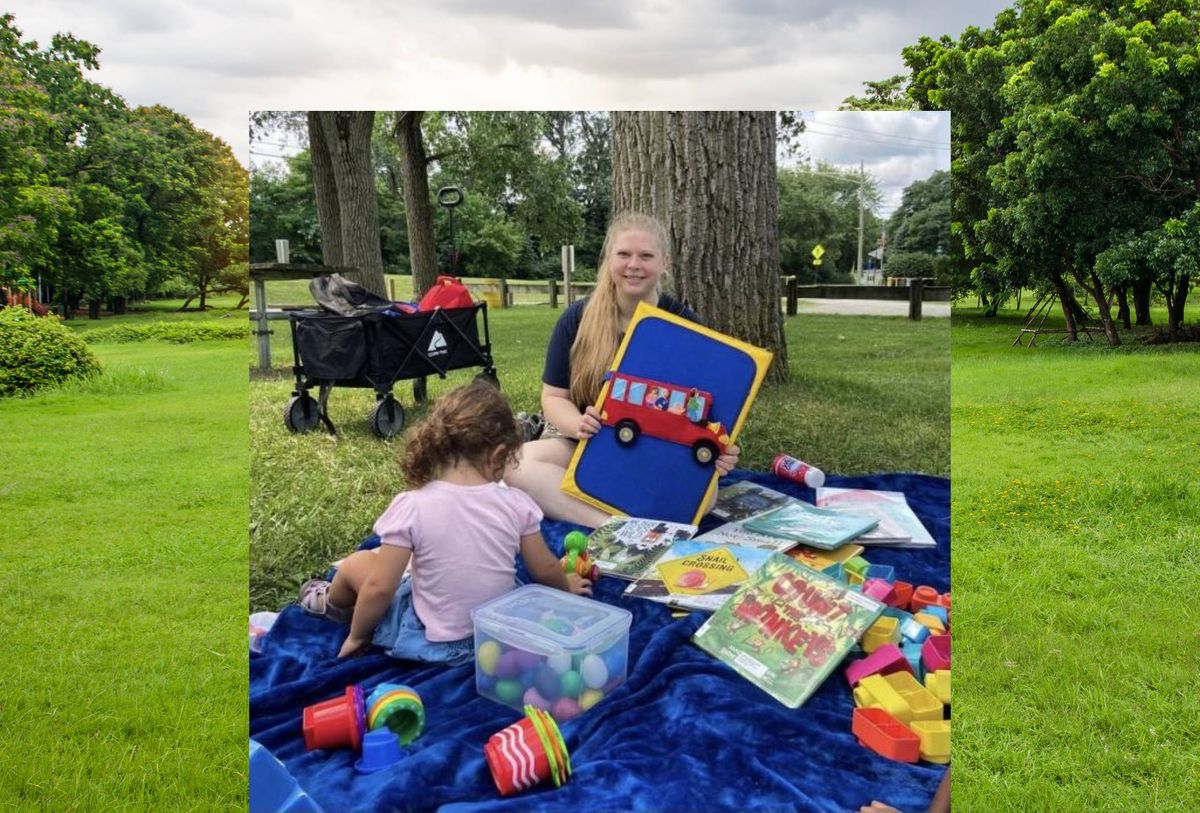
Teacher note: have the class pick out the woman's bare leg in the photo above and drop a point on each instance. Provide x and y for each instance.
(539, 473)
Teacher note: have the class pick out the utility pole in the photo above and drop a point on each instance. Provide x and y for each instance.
(858, 266)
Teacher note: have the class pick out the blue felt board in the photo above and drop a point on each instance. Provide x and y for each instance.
(684, 733)
(655, 477)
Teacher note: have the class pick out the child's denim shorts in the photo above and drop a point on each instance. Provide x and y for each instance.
(402, 634)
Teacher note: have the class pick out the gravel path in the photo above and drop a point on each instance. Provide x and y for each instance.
(869, 307)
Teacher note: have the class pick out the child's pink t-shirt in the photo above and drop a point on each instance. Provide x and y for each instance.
(464, 541)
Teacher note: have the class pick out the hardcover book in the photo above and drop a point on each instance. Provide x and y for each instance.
(806, 524)
(746, 499)
(898, 525)
(697, 575)
(787, 628)
(626, 546)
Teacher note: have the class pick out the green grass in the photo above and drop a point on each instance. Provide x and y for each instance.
(1075, 514)
(124, 548)
(867, 394)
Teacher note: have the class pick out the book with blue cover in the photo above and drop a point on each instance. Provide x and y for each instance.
(804, 524)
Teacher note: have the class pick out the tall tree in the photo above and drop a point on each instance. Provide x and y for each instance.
(414, 173)
(710, 178)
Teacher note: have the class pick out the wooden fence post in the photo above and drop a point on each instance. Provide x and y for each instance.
(504, 294)
(554, 293)
(916, 292)
(791, 296)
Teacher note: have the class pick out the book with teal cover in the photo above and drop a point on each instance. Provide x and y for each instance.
(805, 524)
(787, 628)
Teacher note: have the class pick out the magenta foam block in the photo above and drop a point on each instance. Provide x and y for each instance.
(883, 661)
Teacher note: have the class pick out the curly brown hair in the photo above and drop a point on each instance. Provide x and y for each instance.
(465, 425)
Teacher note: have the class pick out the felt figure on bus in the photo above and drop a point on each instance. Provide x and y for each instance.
(632, 407)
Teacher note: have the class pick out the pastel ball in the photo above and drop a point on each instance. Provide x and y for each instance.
(589, 698)
(594, 672)
(560, 661)
(565, 709)
(485, 683)
(525, 660)
(509, 665)
(534, 698)
(509, 691)
(571, 683)
(488, 656)
(615, 658)
(546, 681)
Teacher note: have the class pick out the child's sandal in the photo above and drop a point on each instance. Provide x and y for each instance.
(314, 600)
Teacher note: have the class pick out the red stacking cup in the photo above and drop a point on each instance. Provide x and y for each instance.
(520, 756)
(336, 723)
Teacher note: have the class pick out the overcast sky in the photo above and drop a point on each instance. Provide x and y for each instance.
(218, 59)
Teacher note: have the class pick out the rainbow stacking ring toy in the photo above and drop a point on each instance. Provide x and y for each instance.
(528, 752)
(397, 707)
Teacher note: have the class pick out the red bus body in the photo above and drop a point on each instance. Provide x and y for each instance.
(635, 405)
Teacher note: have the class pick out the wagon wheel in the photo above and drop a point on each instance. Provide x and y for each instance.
(627, 432)
(704, 451)
(387, 418)
(301, 413)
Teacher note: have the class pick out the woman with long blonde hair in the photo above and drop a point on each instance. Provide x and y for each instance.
(634, 263)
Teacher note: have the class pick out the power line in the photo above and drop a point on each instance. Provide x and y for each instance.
(808, 129)
(938, 142)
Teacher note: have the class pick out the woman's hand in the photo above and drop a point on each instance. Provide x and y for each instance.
(353, 646)
(728, 461)
(578, 585)
(589, 424)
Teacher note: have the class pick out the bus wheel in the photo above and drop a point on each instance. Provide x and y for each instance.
(705, 452)
(627, 432)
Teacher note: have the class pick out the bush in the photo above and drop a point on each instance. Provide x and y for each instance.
(38, 351)
(176, 332)
(912, 264)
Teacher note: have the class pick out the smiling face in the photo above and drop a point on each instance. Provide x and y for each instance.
(637, 263)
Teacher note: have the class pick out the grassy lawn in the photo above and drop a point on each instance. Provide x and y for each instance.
(1075, 514)
(124, 544)
(867, 394)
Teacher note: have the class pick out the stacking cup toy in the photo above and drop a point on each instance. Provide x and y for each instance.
(527, 753)
(397, 708)
(336, 723)
(380, 749)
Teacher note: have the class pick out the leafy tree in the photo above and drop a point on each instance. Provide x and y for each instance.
(922, 222)
(909, 264)
(820, 206)
(888, 94)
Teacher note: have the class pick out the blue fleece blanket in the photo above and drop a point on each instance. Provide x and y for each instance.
(684, 732)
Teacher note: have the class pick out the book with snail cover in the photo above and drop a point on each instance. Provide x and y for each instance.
(787, 628)
(697, 575)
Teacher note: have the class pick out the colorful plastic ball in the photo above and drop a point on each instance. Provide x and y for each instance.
(557, 625)
(589, 698)
(594, 672)
(565, 709)
(526, 660)
(485, 683)
(571, 683)
(560, 661)
(615, 658)
(488, 656)
(509, 665)
(546, 681)
(509, 691)
(533, 698)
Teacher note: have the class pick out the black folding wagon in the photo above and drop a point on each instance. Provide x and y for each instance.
(376, 349)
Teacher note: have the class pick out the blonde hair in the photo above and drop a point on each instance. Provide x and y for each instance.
(600, 328)
(466, 424)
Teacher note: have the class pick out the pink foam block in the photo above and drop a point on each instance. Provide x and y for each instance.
(935, 653)
(883, 661)
(881, 590)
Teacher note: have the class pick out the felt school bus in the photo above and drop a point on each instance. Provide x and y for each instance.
(634, 406)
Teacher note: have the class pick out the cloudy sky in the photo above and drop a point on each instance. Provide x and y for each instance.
(217, 59)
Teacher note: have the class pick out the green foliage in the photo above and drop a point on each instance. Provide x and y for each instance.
(39, 352)
(175, 332)
(922, 222)
(821, 207)
(887, 94)
(908, 264)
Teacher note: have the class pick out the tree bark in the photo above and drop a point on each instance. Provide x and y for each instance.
(348, 142)
(418, 214)
(329, 218)
(1094, 286)
(1072, 312)
(710, 178)
(1123, 306)
(1175, 307)
(1141, 302)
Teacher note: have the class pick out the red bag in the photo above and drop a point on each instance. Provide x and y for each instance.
(447, 292)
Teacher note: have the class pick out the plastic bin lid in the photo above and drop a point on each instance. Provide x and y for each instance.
(542, 615)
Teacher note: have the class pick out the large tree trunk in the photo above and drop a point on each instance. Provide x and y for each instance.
(1141, 301)
(414, 174)
(348, 142)
(1070, 308)
(1096, 288)
(1123, 306)
(710, 178)
(325, 188)
(1175, 305)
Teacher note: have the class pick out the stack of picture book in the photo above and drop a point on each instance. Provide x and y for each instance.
(756, 513)
(787, 628)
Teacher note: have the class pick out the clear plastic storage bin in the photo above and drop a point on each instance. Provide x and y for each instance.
(551, 649)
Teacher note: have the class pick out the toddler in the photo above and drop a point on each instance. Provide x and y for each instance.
(460, 529)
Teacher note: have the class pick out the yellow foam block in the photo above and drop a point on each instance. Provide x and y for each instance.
(939, 683)
(934, 623)
(874, 690)
(935, 739)
(886, 630)
(921, 703)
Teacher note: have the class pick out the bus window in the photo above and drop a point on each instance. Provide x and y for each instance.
(618, 389)
(695, 407)
(675, 405)
(637, 392)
